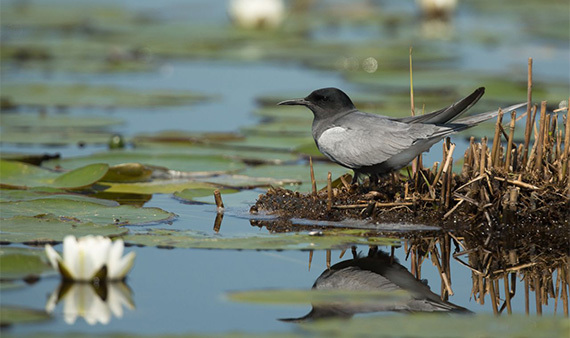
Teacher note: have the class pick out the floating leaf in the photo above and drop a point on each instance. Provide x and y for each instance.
(55, 137)
(284, 241)
(426, 325)
(19, 175)
(19, 263)
(83, 95)
(41, 121)
(191, 195)
(167, 186)
(83, 211)
(128, 172)
(49, 228)
(7, 195)
(10, 315)
(178, 161)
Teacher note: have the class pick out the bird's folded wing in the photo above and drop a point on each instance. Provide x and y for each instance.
(369, 140)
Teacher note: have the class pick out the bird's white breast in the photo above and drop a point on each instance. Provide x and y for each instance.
(330, 139)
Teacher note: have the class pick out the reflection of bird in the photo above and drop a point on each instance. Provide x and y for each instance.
(375, 273)
(373, 144)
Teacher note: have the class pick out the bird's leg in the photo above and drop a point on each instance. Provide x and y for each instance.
(354, 178)
(374, 178)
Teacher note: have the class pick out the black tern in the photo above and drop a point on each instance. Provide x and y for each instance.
(376, 145)
(377, 271)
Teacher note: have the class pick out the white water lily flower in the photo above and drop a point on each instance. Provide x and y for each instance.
(91, 257)
(256, 14)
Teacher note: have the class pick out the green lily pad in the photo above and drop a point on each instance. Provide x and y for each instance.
(179, 161)
(193, 195)
(280, 128)
(20, 175)
(285, 113)
(50, 228)
(285, 241)
(10, 315)
(128, 172)
(19, 263)
(426, 325)
(319, 297)
(41, 121)
(168, 186)
(270, 143)
(235, 153)
(248, 182)
(9, 195)
(55, 137)
(298, 172)
(68, 15)
(82, 95)
(84, 211)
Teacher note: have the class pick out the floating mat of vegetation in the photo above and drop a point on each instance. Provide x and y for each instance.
(21, 175)
(19, 263)
(290, 241)
(98, 96)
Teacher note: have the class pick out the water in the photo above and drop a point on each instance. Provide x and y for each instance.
(184, 290)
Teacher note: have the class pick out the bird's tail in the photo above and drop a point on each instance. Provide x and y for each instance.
(471, 121)
(478, 118)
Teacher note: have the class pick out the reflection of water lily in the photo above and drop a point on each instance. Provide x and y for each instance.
(96, 304)
(91, 257)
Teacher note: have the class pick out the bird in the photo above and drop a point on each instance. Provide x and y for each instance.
(375, 145)
(376, 272)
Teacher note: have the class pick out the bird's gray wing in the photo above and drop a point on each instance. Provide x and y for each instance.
(360, 139)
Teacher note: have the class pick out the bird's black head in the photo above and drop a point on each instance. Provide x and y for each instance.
(325, 102)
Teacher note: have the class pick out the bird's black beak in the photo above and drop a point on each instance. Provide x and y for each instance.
(296, 102)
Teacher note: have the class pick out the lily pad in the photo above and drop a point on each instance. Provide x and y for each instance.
(280, 128)
(178, 161)
(84, 211)
(128, 172)
(55, 137)
(285, 241)
(21, 175)
(192, 195)
(319, 297)
(10, 315)
(426, 325)
(83, 95)
(49, 228)
(19, 263)
(9, 195)
(41, 121)
(158, 186)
